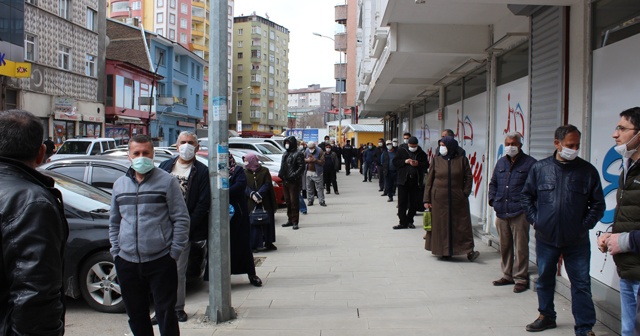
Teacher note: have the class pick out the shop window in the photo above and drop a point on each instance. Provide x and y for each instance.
(613, 21)
(475, 83)
(453, 93)
(513, 64)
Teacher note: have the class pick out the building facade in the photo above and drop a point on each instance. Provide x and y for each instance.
(487, 68)
(310, 106)
(260, 75)
(64, 46)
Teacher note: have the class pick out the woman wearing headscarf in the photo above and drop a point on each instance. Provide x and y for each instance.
(446, 193)
(239, 235)
(260, 192)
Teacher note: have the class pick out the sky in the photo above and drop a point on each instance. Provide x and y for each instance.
(311, 58)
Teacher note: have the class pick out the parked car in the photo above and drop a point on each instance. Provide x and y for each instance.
(202, 156)
(159, 153)
(83, 146)
(274, 140)
(262, 147)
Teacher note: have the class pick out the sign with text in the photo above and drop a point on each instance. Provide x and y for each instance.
(14, 69)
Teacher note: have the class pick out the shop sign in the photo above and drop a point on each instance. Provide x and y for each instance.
(89, 118)
(64, 105)
(66, 116)
(185, 124)
(14, 69)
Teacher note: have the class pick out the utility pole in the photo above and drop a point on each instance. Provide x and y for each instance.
(219, 309)
(338, 87)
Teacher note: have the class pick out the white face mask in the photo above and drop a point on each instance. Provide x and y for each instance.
(622, 149)
(443, 150)
(379, 144)
(568, 153)
(395, 144)
(328, 150)
(413, 149)
(389, 147)
(187, 151)
(299, 147)
(406, 141)
(512, 151)
(311, 150)
(286, 146)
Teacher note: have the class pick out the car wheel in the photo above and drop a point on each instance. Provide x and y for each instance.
(99, 284)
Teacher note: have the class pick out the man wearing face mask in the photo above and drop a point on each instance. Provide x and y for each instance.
(193, 177)
(368, 160)
(148, 231)
(377, 159)
(314, 167)
(411, 163)
(347, 154)
(405, 140)
(627, 218)
(389, 171)
(505, 187)
(563, 199)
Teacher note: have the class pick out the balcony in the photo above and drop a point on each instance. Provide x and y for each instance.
(341, 42)
(180, 100)
(255, 96)
(197, 33)
(341, 14)
(337, 68)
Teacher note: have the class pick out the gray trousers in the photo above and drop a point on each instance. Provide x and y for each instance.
(318, 181)
(183, 262)
(514, 247)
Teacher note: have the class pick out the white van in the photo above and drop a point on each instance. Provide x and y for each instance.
(83, 146)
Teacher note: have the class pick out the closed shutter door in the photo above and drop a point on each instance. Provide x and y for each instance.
(547, 78)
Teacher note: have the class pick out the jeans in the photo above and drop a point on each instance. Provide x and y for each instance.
(577, 260)
(183, 262)
(368, 170)
(628, 303)
(160, 277)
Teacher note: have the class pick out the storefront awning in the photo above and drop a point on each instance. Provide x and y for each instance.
(128, 120)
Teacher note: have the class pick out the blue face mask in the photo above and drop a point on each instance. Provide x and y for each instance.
(142, 164)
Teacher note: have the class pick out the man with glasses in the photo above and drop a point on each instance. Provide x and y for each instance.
(627, 217)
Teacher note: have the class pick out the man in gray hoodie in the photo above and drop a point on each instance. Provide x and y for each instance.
(148, 230)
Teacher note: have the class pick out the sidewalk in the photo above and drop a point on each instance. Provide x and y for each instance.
(347, 273)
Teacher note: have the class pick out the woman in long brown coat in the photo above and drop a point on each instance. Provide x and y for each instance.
(260, 191)
(446, 193)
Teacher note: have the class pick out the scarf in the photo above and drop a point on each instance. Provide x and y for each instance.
(252, 162)
(232, 164)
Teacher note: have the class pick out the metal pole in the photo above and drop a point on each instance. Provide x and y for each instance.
(219, 309)
(340, 103)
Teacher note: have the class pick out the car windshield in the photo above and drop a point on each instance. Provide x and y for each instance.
(80, 195)
(267, 148)
(74, 147)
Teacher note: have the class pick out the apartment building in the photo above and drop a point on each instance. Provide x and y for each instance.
(310, 107)
(260, 75)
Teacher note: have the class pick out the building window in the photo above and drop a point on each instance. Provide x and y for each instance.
(91, 19)
(160, 31)
(136, 5)
(172, 18)
(240, 67)
(30, 47)
(90, 66)
(172, 34)
(172, 3)
(63, 9)
(64, 57)
(159, 59)
(160, 3)
(32, 2)
(239, 79)
(160, 17)
(183, 23)
(183, 38)
(240, 44)
(184, 9)
(197, 101)
(240, 55)
(239, 31)
(198, 71)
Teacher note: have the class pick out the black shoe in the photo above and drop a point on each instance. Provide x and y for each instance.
(337, 193)
(364, 181)
(390, 199)
(384, 194)
(328, 191)
(473, 255)
(369, 180)
(270, 247)
(542, 323)
(259, 249)
(254, 280)
(295, 226)
(182, 316)
(287, 224)
(323, 204)
(399, 226)
(381, 190)
(154, 320)
(310, 204)
(411, 226)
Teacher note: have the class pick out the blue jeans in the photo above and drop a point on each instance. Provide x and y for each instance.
(577, 263)
(368, 170)
(628, 302)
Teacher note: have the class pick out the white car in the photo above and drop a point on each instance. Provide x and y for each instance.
(83, 146)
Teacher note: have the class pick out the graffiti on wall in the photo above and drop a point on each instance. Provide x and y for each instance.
(476, 171)
(612, 161)
(464, 129)
(515, 118)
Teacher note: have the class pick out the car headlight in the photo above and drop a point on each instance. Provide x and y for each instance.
(274, 184)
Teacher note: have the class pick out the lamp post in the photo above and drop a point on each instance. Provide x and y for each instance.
(339, 94)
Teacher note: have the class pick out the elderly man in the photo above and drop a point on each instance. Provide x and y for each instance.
(563, 199)
(627, 218)
(411, 163)
(505, 187)
(33, 232)
(148, 230)
(314, 168)
(193, 177)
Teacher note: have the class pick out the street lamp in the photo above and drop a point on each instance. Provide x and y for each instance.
(239, 120)
(339, 94)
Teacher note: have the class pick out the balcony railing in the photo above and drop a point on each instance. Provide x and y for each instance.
(341, 14)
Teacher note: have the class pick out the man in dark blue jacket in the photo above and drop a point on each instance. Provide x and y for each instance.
(506, 185)
(193, 177)
(368, 157)
(563, 199)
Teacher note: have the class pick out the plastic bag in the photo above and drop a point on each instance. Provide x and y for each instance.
(426, 220)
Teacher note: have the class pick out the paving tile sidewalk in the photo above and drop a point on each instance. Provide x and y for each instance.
(347, 272)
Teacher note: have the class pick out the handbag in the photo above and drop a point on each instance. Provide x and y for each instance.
(259, 216)
(426, 220)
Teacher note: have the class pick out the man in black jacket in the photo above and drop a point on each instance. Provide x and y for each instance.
(563, 199)
(33, 232)
(193, 177)
(378, 164)
(291, 170)
(412, 163)
(347, 154)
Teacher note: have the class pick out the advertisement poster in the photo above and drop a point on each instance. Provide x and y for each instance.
(614, 67)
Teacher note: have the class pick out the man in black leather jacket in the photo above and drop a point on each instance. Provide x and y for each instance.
(291, 170)
(33, 232)
(563, 199)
